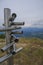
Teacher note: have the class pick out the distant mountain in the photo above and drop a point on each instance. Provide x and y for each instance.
(30, 32)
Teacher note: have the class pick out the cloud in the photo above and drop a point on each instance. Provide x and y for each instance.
(38, 23)
(35, 23)
(28, 25)
(1, 22)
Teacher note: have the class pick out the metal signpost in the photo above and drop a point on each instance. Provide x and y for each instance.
(10, 47)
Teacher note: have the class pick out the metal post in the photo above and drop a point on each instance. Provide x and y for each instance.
(7, 13)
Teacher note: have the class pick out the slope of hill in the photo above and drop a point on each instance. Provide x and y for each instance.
(32, 53)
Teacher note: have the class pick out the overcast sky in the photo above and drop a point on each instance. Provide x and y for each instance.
(30, 11)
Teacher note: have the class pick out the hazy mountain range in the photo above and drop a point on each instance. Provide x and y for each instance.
(30, 32)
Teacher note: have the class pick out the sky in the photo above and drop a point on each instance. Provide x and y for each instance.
(29, 11)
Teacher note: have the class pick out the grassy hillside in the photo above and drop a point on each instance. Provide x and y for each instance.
(32, 53)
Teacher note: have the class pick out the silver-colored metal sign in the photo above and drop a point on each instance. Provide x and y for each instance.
(9, 29)
(4, 58)
(6, 47)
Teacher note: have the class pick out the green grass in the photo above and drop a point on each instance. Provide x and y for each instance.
(32, 54)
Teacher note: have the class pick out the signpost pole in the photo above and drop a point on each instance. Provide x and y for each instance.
(7, 13)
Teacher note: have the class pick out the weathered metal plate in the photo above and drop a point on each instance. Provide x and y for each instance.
(6, 47)
(9, 28)
(2, 59)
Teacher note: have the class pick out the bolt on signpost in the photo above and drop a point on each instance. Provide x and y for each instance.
(10, 46)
